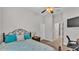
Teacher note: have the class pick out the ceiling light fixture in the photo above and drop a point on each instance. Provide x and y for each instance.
(49, 10)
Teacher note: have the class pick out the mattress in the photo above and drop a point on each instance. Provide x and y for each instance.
(25, 45)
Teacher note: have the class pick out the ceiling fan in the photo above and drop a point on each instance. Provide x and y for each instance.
(49, 10)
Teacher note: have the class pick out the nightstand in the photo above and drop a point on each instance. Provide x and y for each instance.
(37, 38)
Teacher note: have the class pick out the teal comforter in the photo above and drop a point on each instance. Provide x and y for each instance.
(26, 45)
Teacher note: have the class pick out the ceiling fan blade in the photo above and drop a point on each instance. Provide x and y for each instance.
(43, 11)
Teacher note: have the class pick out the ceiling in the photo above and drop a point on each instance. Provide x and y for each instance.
(38, 10)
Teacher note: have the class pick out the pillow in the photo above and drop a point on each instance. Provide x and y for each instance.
(20, 37)
(27, 36)
(10, 38)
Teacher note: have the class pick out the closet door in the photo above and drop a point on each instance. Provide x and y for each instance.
(48, 27)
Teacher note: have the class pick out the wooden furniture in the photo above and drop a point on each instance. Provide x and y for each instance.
(57, 45)
(37, 38)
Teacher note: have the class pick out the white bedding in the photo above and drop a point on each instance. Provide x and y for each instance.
(25, 45)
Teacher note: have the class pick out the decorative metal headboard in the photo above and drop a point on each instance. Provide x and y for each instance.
(17, 31)
(20, 31)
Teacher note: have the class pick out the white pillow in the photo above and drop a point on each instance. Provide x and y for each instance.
(20, 37)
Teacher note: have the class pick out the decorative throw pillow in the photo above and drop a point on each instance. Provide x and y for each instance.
(27, 36)
(10, 38)
(20, 37)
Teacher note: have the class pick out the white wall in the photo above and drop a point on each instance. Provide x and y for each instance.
(74, 31)
(49, 26)
(1, 20)
(14, 18)
(60, 18)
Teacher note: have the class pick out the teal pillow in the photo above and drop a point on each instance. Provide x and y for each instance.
(10, 38)
(27, 36)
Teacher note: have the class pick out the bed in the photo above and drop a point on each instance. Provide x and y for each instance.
(24, 45)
